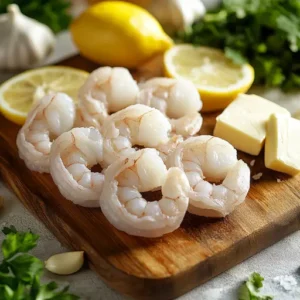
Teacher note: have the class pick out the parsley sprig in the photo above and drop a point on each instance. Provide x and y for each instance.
(250, 290)
(265, 33)
(21, 272)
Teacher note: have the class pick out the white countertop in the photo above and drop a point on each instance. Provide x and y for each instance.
(281, 259)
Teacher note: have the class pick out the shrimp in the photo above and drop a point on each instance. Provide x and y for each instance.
(49, 118)
(187, 125)
(135, 125)
(124, 206)
(72, 156)
(176, 98)
(106, 90)
(166, 149)
(207, 160)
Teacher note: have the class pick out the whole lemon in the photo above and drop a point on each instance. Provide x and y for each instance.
(118, 33)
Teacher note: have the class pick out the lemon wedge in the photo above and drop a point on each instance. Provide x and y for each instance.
(117, 33)
(216, 77)
(18, 94)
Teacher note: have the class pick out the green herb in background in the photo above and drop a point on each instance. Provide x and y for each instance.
(53, 13)
(266, 33)
(249, 290)
(20, 272)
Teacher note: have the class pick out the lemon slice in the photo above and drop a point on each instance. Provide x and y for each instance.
(216, 77)
(18, 94)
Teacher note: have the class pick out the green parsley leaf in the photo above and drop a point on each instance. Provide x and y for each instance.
(6, 292)
(9, 280)
(18, 242)
(20, 272)
(10, 229)
(250, 290)
(26, 267)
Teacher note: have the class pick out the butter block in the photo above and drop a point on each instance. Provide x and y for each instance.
(243, 122)
(282, 149)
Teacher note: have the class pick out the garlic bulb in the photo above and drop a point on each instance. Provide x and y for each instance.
(24, 41)
(175, 15)
(211, 4)
(65, 263)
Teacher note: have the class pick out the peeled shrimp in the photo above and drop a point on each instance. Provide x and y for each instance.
(187, 125)
(207, 160)
(124, 206)
(135, 125)
(106, 90)
(72, 156)
(176, 98)
(53, 115)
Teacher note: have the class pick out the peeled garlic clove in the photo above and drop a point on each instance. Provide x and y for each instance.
(65, 263)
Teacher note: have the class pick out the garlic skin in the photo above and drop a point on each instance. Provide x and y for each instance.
(211, 4)
(65, 263)
(175, 15)
(24, 42)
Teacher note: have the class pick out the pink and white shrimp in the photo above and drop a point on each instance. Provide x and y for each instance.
(106, 90)
(138, 125)
(73, 155)
(207, 161)
(178, 99)
(49, 118)
(124, 206)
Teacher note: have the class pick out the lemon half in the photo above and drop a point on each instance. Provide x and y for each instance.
(216, 77)
(18, 94)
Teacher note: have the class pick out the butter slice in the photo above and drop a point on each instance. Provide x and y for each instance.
(243, 122)
(282, 150)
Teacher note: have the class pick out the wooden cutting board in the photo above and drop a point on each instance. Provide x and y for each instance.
(161, 268)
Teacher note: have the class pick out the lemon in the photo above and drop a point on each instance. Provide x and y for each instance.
(216, 77)
(118, 33)
(18, 94)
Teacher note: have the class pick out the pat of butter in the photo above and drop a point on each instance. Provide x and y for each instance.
(243, 122)
(282, 150)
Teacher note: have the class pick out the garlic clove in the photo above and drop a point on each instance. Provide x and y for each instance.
(65, 263)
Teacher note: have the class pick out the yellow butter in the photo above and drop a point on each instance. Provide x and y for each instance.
(282, 149)
(243, 122)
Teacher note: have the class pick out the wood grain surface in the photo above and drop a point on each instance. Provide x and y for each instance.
(165, 267)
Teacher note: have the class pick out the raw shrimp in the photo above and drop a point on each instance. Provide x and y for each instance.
(213, 159)
(106, 90)
(49, 118)
(135, 125)
(176, 98)
(166, 149)
(124, 206)
(72, 156)
(187, 125)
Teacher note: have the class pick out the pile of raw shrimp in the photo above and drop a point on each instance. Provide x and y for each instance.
(114, 118)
